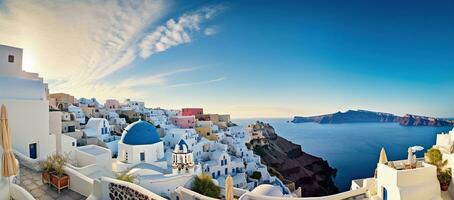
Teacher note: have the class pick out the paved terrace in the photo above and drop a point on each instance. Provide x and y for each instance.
(31, 181)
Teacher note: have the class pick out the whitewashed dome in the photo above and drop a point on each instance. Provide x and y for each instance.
(268, 190)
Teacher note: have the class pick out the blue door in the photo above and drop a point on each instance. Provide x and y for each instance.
(142, 156)
(385, 194)
(32, 150)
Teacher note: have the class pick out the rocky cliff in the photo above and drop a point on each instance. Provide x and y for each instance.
(287, 161)
(351, 116)
(357, 116)
(414, 120)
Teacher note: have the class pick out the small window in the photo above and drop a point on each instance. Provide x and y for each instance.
(10, 58)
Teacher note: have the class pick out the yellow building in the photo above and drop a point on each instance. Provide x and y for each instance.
(206, 132)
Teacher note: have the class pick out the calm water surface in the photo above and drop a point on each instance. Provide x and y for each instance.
(353, 148)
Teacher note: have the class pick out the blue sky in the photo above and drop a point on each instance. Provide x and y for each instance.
(272, 58)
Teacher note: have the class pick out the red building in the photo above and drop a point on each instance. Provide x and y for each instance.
(191, 111)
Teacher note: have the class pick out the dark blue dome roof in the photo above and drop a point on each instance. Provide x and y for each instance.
(181, 144)
(140, 133)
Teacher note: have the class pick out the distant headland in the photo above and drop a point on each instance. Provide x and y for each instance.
(361, 116)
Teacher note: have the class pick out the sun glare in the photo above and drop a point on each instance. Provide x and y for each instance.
(28, 63)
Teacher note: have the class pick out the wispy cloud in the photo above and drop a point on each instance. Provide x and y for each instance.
(195, 83)
(79, 43)
(210, 31)
(177, 31)
(152, 79)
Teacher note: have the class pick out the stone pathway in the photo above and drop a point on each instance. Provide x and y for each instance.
(31, 181)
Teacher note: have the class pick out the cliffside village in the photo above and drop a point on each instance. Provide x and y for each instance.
(163, 149)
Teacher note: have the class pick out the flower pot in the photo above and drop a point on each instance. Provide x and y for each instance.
(45, 176)
(59, 182)
(444, 187)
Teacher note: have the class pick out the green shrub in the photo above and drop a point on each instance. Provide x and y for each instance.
(124, 176)
(434, 157)
(203, 184)
(259, 151)
(256, 175)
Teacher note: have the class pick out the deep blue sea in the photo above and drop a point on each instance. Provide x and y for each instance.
(353, 148)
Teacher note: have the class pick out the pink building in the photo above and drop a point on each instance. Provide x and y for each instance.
(183, 121)
(112, 104)
(191, 111)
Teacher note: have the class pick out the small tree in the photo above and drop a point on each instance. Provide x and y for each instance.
(256, 175)
(203, 184)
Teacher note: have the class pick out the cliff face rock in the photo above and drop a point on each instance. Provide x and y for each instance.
(311, 173)
(414, 120)
(359, 116)
(351, 116)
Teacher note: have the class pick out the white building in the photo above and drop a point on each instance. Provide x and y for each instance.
(96, 127)
(100, 128)
(25, 96)
(138, 106)
(139, 143)
(400, 184)
(80, 116)
(174, 135)
(90, 102)
(64, 143)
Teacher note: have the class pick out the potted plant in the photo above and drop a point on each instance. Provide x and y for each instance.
(54, 173)
(47, 168)
(444, 175)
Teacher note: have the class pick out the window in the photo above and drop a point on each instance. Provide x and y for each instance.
(213, 175)
(142, 156)
(219, 173)
(74, 144)
(10, 58)
(226, 171)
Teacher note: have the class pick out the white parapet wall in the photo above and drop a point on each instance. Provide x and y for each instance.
(92, 154)
(106, 188)
(26, 161)
(17, 192)
(79, 182)
(339, 196)
(187, 194)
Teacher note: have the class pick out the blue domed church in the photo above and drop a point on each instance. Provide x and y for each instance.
(140, 142)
